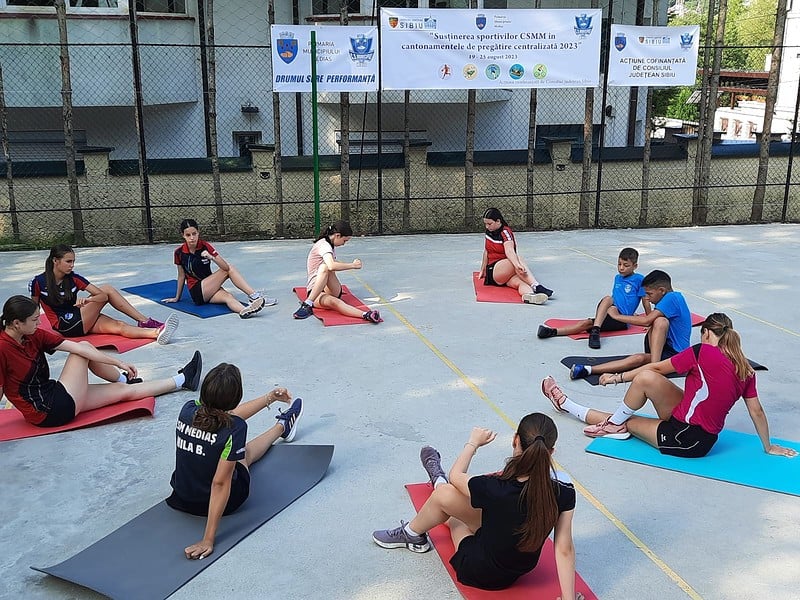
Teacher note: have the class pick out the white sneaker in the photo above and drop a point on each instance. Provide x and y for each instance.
(268, 301)
(534, 298)
(167, 329)
(252, 308)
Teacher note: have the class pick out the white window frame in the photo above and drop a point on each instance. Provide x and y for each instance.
(121, 8)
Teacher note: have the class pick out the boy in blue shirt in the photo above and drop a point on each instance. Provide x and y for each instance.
(670, 327)
(625, 296)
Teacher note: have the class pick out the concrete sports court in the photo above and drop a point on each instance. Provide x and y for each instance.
(439, 364)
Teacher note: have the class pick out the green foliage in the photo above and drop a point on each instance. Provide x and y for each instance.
(671, 102)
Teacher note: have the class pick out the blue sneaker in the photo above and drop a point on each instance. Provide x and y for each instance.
(289, 419)
(304, 311)
(398, 538)
(578, 372)
(540, 289)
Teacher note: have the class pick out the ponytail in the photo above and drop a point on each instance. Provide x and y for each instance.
(537, 436)
(220, 392)
(17, 308)
(341, 227)
(730, 342)
(53, 292)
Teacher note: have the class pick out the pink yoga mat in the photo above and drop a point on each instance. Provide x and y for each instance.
(631, 330)
(14, 427)
(331, 317)
(104, 340)
(542, 582)
(494, 293)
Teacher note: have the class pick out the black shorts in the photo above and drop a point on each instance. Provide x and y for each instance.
(240, 490)
(667, 352)
(677, 438)
(196, 292)
(71, 324)
(474, 569)
(62, 407)
(489, 278)
(611, 324)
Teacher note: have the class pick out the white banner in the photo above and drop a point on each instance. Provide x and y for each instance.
(347, 58)
(487, 49)
(653, 56)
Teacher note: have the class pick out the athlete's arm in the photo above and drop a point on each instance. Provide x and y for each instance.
(644, 320)
(759, 418)
(484, 264)
(511, 255)
(218, 260)
(646, 305)
(220, 492)
(91, 353)
(565, 554)
(181, 281)
(335, 265)
(458, 475)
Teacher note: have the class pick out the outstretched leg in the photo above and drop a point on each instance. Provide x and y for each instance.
(239, 281)
(105, 324)
(339, 305)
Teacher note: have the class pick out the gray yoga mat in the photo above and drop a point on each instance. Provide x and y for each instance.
(144, 558)
(568, 361)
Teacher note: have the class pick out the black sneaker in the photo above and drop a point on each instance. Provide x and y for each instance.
(129, 379)
(594, 338)
(289, 419)
(192, 371)
(540, 289)
(546, 332)
(373, 316)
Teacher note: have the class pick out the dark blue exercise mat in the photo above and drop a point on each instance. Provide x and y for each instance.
(736, 458)
(144, 558)
(166, 289)
(568, 361)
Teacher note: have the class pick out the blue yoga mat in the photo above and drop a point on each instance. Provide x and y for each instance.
(736, 458)
(166, 289)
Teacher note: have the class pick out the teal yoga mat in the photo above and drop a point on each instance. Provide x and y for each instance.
(166, 289)
(736, 458)
(144, 560)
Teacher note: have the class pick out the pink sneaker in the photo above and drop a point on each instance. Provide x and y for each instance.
(607, 429)
(553, 393)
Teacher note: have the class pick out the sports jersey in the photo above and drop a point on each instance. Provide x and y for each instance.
(56, 307)
(316, 257)
(25, 374)
(674, 307)
(627, 293)
(491, 560)
(494, 244)
(198, 453)
(712, 387)
(194, 265)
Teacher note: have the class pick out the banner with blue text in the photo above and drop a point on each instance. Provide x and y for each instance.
(489, 49)
(347, 58)
(653, 56)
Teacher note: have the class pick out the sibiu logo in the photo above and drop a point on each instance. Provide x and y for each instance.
(583, 25)
(620, 42)
(686, 40)
(287, 46)
(480, 21)
(361, 49)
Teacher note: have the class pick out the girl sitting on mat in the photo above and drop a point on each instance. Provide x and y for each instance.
(193, 259)
(25, 374)
(498, 522)
(689, 420)
(73, 316)
(324, 289)
(213, 457)
(501, 265)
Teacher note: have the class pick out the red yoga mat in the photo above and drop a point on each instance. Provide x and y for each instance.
(542, 582)
(14, 427)
(631, 330)
(104, 340)
(494, 293)
(331, 317)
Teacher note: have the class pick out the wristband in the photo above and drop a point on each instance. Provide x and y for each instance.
(473, 445)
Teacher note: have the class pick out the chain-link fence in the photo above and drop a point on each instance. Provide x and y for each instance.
(114, 130)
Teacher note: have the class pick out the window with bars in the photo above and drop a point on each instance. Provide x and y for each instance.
(334, 7)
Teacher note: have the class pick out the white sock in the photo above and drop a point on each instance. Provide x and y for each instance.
(575, 409)
(588, 369)
(411, 532)
(179, 380)
(439, 481)
(255, 295)
(622, 414)
(308, 302)
(122, 378)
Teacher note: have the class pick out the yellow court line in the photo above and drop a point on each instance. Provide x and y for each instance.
(677, 579)
(714, 302)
